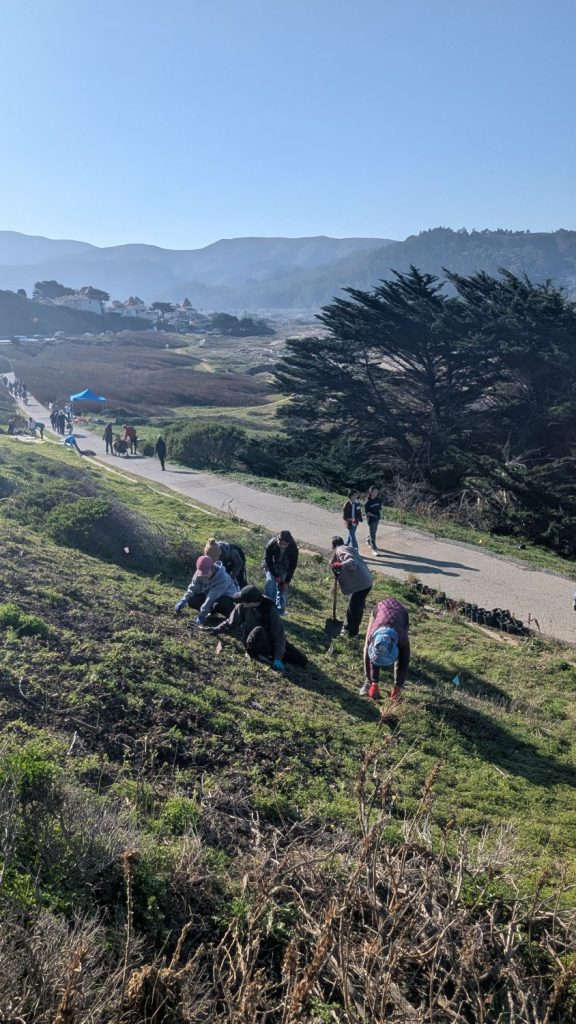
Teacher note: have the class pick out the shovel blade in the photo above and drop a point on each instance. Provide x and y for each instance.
(333, 627)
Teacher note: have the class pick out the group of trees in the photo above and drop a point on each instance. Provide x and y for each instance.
(471, 395)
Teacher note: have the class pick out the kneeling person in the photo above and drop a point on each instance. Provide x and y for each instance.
(256, 621)
(387, 643)
(211, 590)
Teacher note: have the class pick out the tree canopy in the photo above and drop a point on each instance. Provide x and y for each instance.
(459, 392)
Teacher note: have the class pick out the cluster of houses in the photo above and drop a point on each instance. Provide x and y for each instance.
(89, 300)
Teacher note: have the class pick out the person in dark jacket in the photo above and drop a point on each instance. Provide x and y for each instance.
(210, 592)
(355, 582)
(373, 510)
(387, 643)
(280, 561)
(257, 623)
(108, 438)
(160, 450)
(352, 515)
(232, 557)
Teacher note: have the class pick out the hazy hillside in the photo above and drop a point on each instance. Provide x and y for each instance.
(153, 273)
(541, 256)
(280, 273)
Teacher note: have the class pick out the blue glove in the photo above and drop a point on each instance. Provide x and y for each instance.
(278, 665)
(199, 620)
(181, 604)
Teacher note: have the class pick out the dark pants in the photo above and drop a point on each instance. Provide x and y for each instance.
(259, 643)
(109, 445)
(223, 606)
(355, 611)
(162, 459)
(372, 527)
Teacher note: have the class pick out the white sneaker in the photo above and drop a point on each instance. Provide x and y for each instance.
(363, 691)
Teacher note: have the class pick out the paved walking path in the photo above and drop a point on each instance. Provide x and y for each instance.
(461, 570)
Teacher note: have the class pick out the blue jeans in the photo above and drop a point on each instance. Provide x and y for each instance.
(273, 591)
(351, 538)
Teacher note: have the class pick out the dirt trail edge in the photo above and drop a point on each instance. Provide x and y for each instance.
(460, 570)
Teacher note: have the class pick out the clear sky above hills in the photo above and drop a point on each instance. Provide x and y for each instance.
(183, 121)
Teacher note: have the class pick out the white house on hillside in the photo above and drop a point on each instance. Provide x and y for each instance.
(81, 303)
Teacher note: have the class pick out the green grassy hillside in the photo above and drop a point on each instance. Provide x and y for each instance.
(153, 786)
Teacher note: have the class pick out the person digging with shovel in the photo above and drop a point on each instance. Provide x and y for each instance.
(355, 581)
(387, 643)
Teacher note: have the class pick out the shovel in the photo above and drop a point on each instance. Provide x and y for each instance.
(333, 626)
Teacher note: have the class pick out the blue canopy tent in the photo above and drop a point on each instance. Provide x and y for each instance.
(87, 396)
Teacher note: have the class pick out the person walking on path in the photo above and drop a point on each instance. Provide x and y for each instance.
(373, 510)
(256, 621)
(280, 561)
(160, 450)
(232, 557)
(355, 582)
(211, 590)
(352, 515)
(61, 422)
(131, 437)
(387, 643)
(108, 437)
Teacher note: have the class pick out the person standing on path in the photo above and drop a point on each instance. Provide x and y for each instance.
(387, 643)
(257, 622)
(131, 437)
(211, 590)
(355, 582)
(280, 561)
(373, 510)
(160, 450)
(61, 422)
(108, 437)
(352, 515)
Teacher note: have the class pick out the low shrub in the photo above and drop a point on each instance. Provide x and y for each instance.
(206, 445)
(12, 617)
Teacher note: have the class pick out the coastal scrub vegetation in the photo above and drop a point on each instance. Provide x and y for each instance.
(188, 837)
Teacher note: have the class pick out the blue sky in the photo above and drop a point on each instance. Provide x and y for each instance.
(184, 121)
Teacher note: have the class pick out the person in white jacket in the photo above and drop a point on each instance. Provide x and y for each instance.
(211, 591)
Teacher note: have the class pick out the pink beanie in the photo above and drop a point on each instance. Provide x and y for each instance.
(204, 565)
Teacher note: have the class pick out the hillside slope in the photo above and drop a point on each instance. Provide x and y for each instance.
(156, 783)
(19, 315)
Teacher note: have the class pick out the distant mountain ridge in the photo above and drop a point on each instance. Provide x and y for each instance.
(280, 273)
(156, 273)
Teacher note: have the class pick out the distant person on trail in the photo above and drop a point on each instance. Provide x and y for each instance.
(256, 622)
(387, 643)
(61, 422)
(160, 450)
(71, 442)
(131, 437)
(108, 437)
(355, 582)
(210, 592)
(352, 515)
(373, 510)
(280, 561)
(232, 557)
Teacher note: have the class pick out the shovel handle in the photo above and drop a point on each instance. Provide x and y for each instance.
(334, 597)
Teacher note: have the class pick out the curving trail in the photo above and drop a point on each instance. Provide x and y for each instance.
(461, 570)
